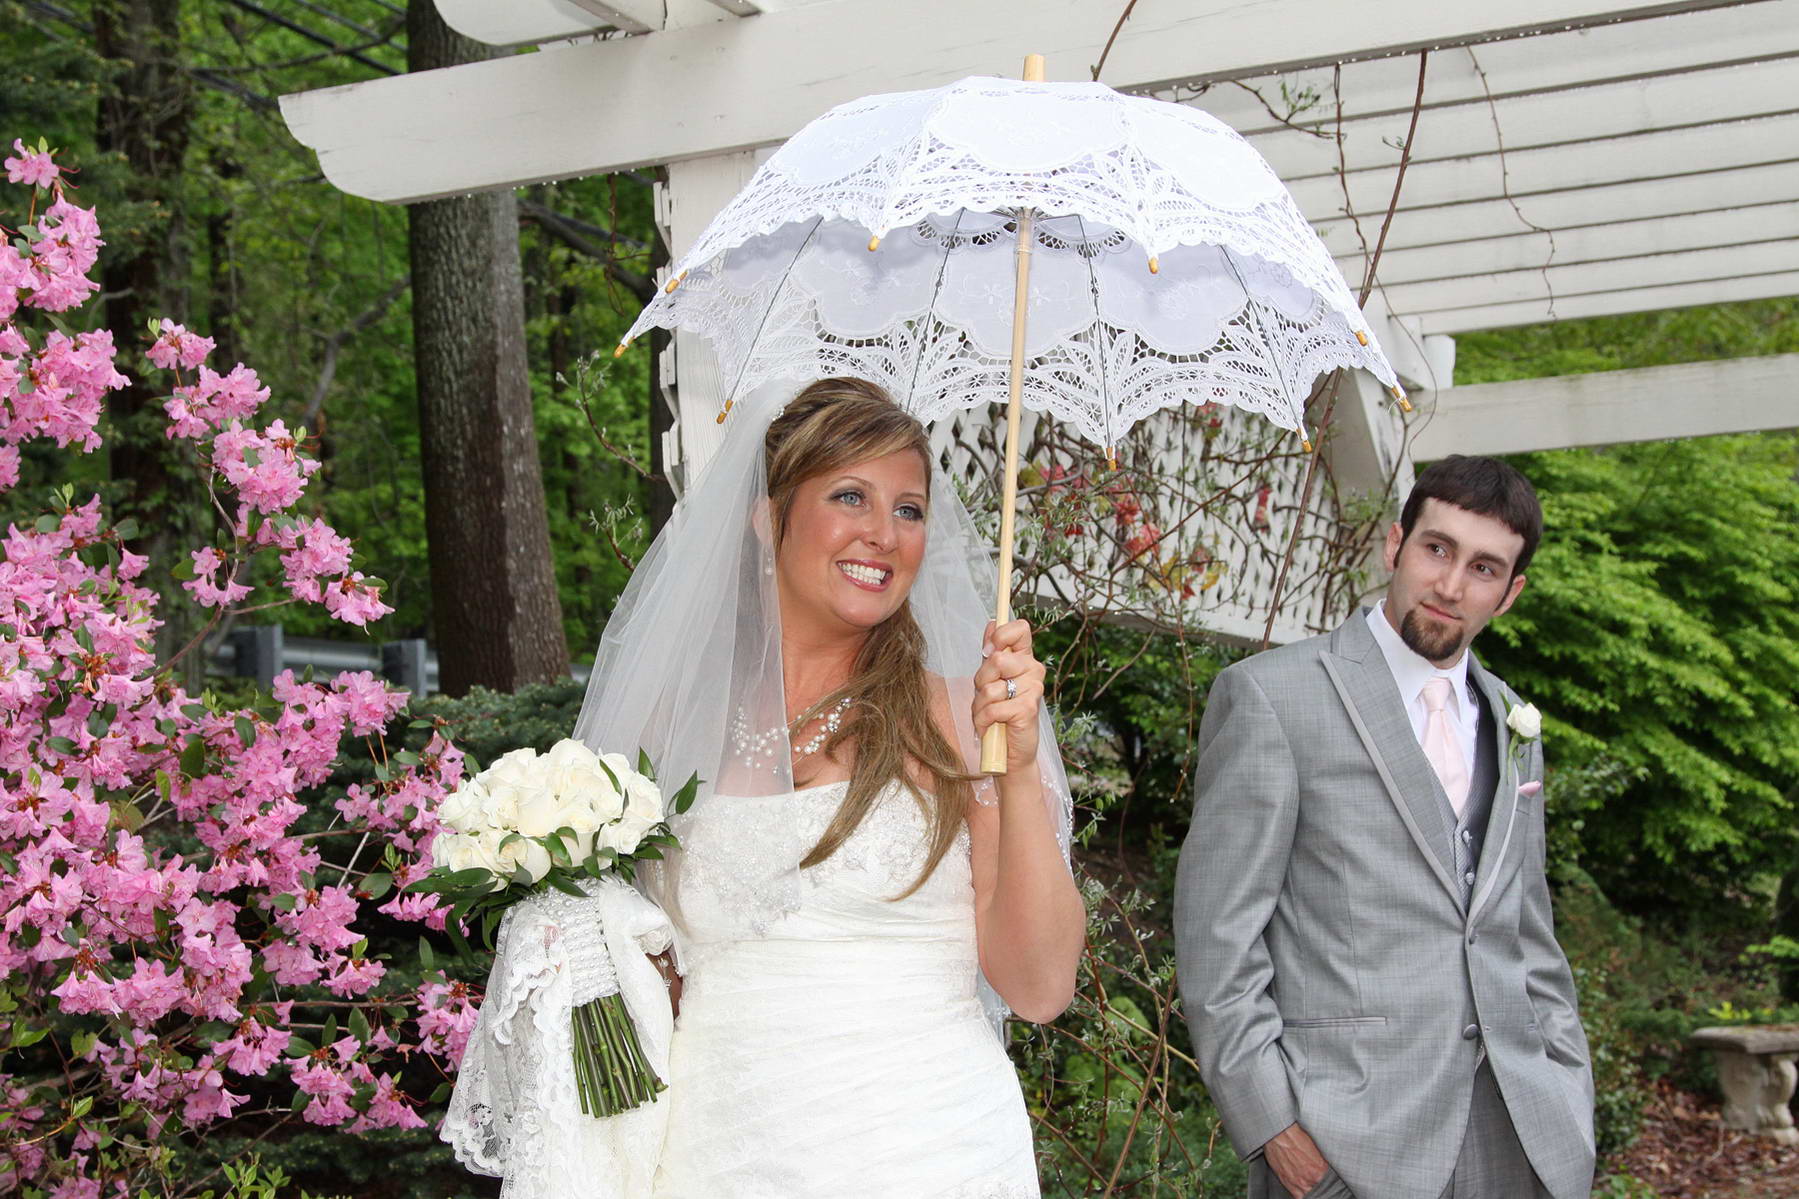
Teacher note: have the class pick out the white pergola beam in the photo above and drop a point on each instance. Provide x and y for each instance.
(1525, 173)
(1692, 399)
(1566, 307)
(632, 16)
(1571, 210)
(519, 23)
(1634, 108)
(1619, 275)
(1598, 55)
(1529, 251)
(736, 84)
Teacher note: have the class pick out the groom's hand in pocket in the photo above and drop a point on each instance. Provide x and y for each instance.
(1295, 1160)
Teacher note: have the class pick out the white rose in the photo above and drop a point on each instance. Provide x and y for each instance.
(544, 811)
(510, 781)
(524, 853)
(459, 851)
(574, 772)
(465, 809)
(441, 845)
(1525, 721)
(643, 808)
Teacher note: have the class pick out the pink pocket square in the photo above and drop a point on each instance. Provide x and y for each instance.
(1526, 790)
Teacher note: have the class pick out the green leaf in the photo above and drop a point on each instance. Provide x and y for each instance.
(377, 884)
(126, 529)
(246, 731)
(644, 766)
(684, 797)
(62, 745)
(82, 1107)
(427, 959)
(193, 756)
(359, 1026)
(23, 1037)
(557, 880)
(285, 901)
(184, 570)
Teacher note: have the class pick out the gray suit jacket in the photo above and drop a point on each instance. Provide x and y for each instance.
(1331, 973)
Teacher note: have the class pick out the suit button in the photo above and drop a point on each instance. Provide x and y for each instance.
(1471, 1032)
(1467, 836)
(1468, 878)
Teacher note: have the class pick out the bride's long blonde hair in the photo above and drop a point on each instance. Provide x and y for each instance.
(829, 425)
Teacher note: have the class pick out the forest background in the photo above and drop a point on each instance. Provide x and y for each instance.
(1659, 634)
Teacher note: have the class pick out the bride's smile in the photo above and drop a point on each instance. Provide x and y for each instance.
(850, 544)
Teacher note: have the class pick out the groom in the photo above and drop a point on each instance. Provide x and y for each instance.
(1367, 961)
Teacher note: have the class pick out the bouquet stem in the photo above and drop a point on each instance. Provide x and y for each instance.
(611, 1073)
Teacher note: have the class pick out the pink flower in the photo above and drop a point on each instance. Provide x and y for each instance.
(389, 1108)
(31, 167)
(355, 602)
(446, 1018)
(205, 587)
(175, 346)
(254, 1049)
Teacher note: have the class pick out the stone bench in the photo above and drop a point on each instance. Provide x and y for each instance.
(1756, 1072)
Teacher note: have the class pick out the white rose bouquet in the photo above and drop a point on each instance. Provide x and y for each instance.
(534, 822)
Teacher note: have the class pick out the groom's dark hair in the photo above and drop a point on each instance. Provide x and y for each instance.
(1485, 487)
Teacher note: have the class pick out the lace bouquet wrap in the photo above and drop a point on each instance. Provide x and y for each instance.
(543, 848)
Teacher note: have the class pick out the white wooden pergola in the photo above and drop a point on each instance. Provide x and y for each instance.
(1573, 158)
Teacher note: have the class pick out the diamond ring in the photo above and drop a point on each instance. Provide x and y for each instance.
(1011, 688)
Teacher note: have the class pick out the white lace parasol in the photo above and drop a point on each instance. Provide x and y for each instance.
(1170, 264)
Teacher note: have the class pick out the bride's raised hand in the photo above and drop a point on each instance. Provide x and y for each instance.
(1008, 690)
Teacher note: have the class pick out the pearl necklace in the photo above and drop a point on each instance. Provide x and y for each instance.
(759, 748)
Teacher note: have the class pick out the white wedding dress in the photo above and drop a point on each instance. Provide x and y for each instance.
(831, 1041)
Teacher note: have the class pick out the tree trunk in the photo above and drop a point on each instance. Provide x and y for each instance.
(497, 617)
(143, 117)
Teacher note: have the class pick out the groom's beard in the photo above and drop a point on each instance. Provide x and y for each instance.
(1429, 639)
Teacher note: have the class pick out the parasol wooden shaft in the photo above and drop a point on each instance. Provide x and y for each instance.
(993, 742)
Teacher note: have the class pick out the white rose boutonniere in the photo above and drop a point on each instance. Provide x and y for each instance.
(1525, 721)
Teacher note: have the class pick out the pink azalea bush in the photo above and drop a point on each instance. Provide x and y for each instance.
(180, 949)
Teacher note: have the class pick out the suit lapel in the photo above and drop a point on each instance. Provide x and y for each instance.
(1503, 815)
(1359, 672)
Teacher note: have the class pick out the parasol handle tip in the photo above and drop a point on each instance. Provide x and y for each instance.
(993, 750)
(1033, 68)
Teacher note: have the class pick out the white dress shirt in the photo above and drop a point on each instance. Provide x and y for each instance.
(1411, 671)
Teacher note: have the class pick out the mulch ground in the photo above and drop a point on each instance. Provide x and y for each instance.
(1685, 1152)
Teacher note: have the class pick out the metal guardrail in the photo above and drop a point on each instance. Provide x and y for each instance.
(261, 652)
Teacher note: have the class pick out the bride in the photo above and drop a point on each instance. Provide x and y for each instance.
(855, 909)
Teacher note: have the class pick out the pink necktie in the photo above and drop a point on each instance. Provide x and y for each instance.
(1441, 746)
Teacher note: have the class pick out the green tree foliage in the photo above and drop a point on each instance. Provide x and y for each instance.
(1660, 628)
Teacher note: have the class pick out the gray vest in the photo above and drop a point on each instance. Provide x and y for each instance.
(1470, 831)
